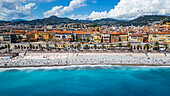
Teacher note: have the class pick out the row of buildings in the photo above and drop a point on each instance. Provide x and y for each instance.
(85, 36)
(131, 34)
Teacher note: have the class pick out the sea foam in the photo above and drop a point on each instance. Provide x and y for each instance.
(80, 67)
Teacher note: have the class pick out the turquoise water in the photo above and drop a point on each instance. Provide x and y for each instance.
(86, 81)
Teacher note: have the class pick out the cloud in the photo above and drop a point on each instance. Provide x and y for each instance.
(42, 0)
(14, 9)
(94, 1)
(80, 17)
(60, 10)
(131, 9)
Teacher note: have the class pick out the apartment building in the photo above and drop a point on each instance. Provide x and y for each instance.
(161, 37)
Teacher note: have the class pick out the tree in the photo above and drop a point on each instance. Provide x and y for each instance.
(22, 47)
(64, 46)
(77, 39)
(78, 46)
(166, 46)
(55, 45)
(88, 40)
(103, 47)
(47, 46)
(84, 40)
(111, 46)
(18, 47)
(120, 45)
(19, 37)
(8, 46)
(30, 46)
(156, 46)
(129, 45)
(80, 39)
(95, 46)
(147, 46)
(86, 46)
(139, 47)
(40, 46)
(33, 47)
(72, 46)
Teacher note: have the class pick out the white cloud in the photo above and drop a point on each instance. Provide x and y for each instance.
(80, 17)
(15, 9)
(131, 9)
(94, 1)
(42, 0)
(60, 10)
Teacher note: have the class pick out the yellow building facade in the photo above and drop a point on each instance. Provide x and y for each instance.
(123, 37)
(47, 36)
(161, 37)
(135, 38)
(97, 37)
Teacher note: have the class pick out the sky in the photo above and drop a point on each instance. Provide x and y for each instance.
(82, 9)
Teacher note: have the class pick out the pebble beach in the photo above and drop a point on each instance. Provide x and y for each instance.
(68, 59)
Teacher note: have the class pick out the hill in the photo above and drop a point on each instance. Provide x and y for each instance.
(144, 20)
(107, 21)
(53, 20)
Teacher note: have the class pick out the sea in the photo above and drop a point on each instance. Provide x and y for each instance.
(85, 81)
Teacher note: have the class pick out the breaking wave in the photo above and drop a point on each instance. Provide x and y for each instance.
(80, 67)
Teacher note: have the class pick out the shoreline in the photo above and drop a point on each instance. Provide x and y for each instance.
(49, 66)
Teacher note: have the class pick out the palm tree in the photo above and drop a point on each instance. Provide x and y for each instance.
(8, 46)
(55, 45)
(77, 40)
(47, 46)
(19, 37)
(80, 39)
(86, 46)
(95, 46)
(129, 45)
(111, 46)
(21, 46)
(166, 46)
(88, 40)
(33, 47)
(120, 45)
(39, 45)
(78, 46)
(64, 46)
(139, 47)
(147, 46)
(156, 46)
(72, 46)
(30, 46)
(18, 47)
(103, 47)
(84, 40)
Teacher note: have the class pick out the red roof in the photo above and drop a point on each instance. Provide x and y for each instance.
(160, 33)
(65, 32)
(135, 35)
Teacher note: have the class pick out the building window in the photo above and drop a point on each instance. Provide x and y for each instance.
(57, 36)
(64, 36)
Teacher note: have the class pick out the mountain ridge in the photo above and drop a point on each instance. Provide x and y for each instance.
(142, 20)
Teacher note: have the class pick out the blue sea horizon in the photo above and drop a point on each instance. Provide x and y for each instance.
(86, 81)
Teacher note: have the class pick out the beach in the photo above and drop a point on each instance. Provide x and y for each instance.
(70, 59)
